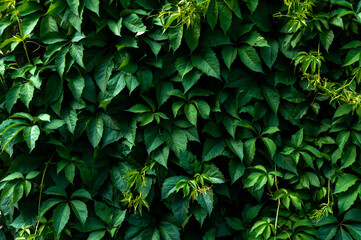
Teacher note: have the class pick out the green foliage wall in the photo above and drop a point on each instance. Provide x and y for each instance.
(149, 119)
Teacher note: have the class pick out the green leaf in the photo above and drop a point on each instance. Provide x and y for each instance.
(250, 149)
(169, 185)
(61, 217)
(134, 23)
(152, 139)
(70, 117)
(213, 172)
(76, 52)
(206, 201)
(212, 148)
(271, 146)
(272, 97)
(229, 54)
(327, 39)
(76, 84)
(12, 97)
(12, 176)
(344, 182)
(191, 113)
(175, 37)
(97, 235)
(161, 156)
(92, 5)
(250, 58)
(352, 56)
(349, 157)
(31, 135)
(180, 206)
(9, 135)
(28, 23)
(252, 5)
(27, 93)
(18, 192)
(168, 231)
(225, 16)
(73, 5)
(139, 108)
(95, 130)
(103, 71)
(212, 14)
(183, 66)
(344, 109)
(236, 170)
(70, 172)
(297, 138)
(116, 27)
(80, 210)
(346, 199)
(177, 140)
(60, 61)
(354, 230)
(191, 36)
(236, 147)
(207, 61)
(48, 204)
(269, 54)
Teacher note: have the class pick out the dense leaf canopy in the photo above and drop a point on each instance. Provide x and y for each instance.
(154, 119)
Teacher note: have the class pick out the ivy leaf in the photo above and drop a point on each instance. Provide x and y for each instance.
(236, 170)
(103, 71)
(60, 61)
(180, 206)
(229, 54)
(183, 66)
(272, 97)
(225, 16)
(212, 148)
(346, 199)
(213, 172)
(191, 113)
(116, 27)
(61, 217)
(70, 117)
(76, 84)
(12, 97)
(31, 135)
(326, 38)
(169, 185)
(28, 23)
(269, 54)
(250, 58)
(97, 235)
(271, 146)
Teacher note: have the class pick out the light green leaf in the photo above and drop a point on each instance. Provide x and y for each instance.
(31, 135)
(344, 109)
(12, 176)
(169, 185)
(139, 108)
(207, 61)
(250, 58)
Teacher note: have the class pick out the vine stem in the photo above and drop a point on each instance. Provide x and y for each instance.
(22, 39)
(41, 190)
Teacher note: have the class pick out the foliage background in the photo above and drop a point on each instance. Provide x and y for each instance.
(148, 119)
